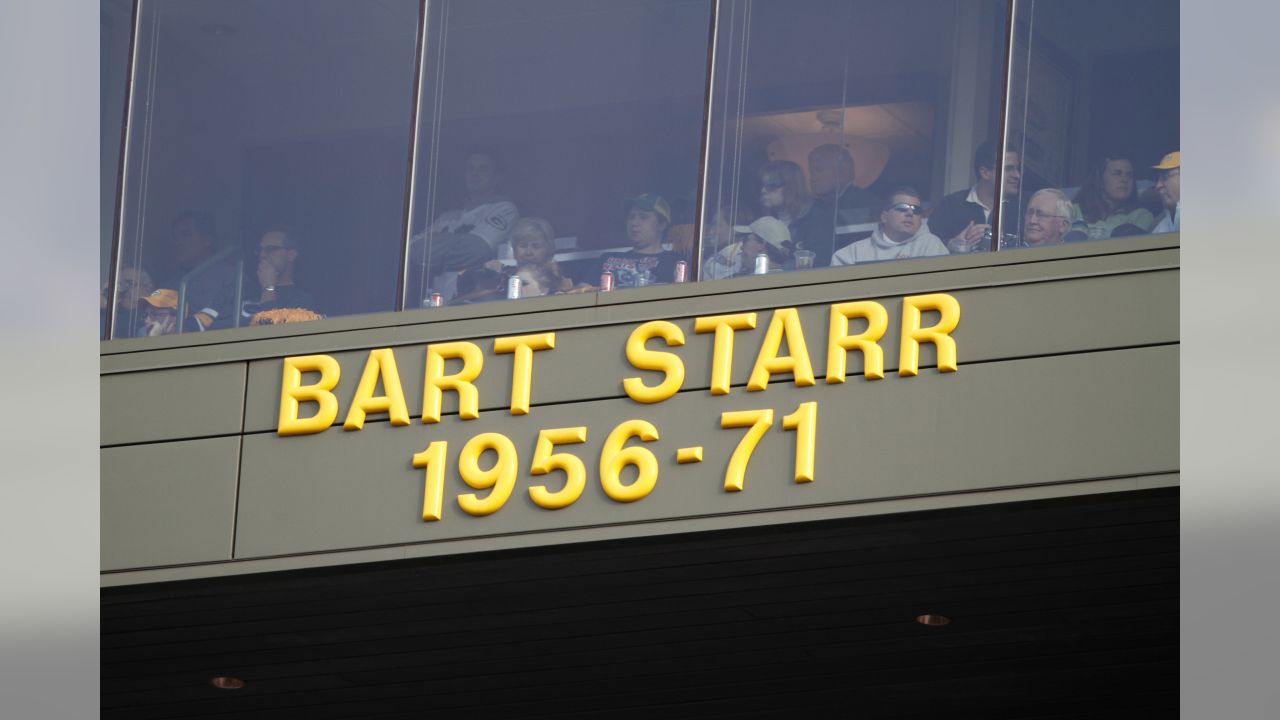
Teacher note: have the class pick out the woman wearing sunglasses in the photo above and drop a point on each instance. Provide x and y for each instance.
(784, 194)
(900, 234)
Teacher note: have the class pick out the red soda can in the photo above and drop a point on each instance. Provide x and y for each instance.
(606, 281)
(682, 271)
(435, 299)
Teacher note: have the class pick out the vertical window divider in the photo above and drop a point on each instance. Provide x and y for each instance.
(419, 77)
(113, 257)
(703, 170)
(997, 205)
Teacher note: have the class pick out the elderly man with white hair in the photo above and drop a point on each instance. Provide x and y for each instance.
(1048, 218)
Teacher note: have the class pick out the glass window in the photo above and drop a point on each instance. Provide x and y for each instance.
(113, 68)
(266, 162)
(1093, 114)
(559, 140)
(844, 133)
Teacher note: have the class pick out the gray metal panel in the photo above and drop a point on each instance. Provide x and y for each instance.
(999, 322)
(168, 503)
(990, 425)
(666, 527)
(172, 404)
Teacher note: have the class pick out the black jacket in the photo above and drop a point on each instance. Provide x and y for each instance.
(816, 231)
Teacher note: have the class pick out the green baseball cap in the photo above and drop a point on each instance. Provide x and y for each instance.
(651, 202)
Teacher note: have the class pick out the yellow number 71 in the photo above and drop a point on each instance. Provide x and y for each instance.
(804, 421)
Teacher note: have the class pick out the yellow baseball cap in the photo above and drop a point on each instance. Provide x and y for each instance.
(1170, 161)
(162, 298)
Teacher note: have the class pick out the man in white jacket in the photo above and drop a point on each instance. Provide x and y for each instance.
(900, 235)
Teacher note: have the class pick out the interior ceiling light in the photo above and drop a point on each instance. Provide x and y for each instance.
(933, 620)
(217, 29)
(226, 682)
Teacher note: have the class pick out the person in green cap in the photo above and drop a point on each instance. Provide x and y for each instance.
(647, 262)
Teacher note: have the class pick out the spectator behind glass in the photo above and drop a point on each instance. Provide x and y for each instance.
(648, 217)
(277, 253)
(1108, 201)
(963, 218)
(211, 293)
(161, 313)
(464, 239)
(836, 201)
(783, 194)
(132, 285)
(724, 255)
(538, 279)
(901, 234)
(533, 243)
(767, 235)
(1169, 186)
(1048, 218)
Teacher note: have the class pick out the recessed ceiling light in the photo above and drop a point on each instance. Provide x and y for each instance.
(933, 620)
(218, 29)
(226, 682)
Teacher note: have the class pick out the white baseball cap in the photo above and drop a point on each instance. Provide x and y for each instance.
(769, 229)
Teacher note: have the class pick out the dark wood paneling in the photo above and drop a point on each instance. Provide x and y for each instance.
(1061, 608)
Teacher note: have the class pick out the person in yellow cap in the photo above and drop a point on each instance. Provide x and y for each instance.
(1169, 186)
(161, 313)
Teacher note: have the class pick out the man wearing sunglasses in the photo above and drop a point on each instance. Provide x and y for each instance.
(901, 234)
(277, 252)
(1169, 186)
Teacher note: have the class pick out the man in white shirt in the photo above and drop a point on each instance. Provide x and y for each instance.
(1169, 186)
(963, 219)
(901, 234)
(463, 239)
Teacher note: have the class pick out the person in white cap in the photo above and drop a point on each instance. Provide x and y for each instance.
(766, 235)
(1169, 186)
(901, 234)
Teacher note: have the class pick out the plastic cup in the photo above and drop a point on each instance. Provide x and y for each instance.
(804, 259)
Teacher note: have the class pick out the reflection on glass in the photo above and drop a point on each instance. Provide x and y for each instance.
(845, 122)
(583, 116)
(265, 174)
(1093, 114)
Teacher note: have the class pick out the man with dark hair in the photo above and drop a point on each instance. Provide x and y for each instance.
(900, 235)
(837, 201)
(963, 219)
(277, 252)
(464, 239)
(647, 262)
(210, 288)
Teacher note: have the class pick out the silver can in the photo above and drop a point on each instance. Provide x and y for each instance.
(435, 299)
(606, 281)
(513, 287)
(762, 264)
(682, 271)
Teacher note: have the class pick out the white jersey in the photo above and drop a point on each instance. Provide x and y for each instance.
(491, 221)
